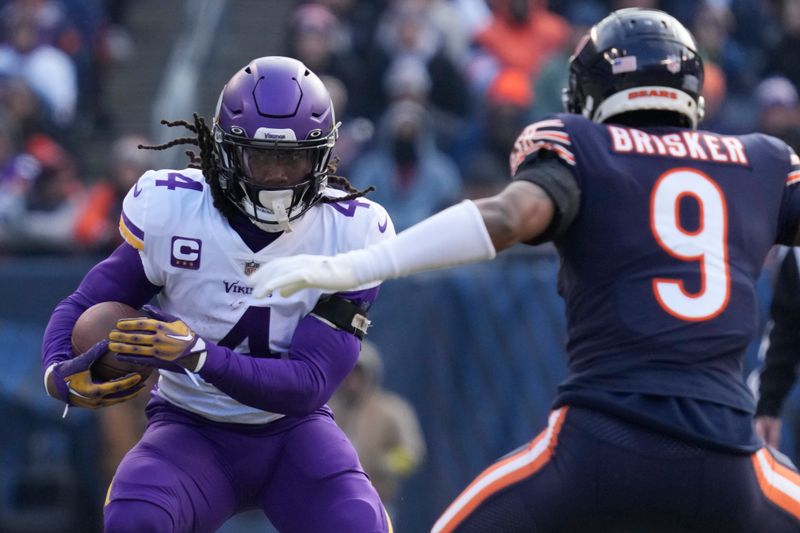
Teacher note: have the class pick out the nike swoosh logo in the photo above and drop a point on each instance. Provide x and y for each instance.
(136, 190)
(382, 227)
(185, 338)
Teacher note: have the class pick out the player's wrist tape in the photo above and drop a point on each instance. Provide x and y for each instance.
(46, 376)
(454, 236)
(201, 350)
(343, 314)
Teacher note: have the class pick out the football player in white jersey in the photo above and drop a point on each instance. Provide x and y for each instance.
(238, 419)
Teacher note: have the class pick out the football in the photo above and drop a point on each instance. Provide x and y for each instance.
(93, 326)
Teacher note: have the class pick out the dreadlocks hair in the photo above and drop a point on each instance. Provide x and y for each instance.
(340, 182)
(207, 161)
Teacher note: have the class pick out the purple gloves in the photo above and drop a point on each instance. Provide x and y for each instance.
(71, 382)
(162, 341)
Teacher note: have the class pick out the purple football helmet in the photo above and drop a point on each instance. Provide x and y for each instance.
(274, 129)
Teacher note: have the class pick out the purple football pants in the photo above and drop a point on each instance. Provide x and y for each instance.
(189, 474)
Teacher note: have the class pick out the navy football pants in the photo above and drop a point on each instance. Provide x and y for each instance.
(589, 472)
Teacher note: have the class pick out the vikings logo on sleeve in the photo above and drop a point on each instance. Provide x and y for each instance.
(548, 134)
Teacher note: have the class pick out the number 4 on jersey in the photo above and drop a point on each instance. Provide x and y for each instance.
(707, 244)
(253, 326)
(179, 181)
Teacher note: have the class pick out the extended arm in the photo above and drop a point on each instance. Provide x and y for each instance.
(465, 233)
(520, 213)
(540, 205)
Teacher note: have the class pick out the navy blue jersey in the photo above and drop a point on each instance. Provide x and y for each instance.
(659, 266)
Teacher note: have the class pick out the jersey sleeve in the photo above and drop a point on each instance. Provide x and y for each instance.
(381, 227)
(133, 220)
(146, 211)
(543, 155)
(789, 219)
(546, 135)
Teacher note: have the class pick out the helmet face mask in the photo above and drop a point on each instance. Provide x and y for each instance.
(274, 130)
(636, 60)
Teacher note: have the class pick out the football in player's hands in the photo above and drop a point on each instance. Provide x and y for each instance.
(92, 327)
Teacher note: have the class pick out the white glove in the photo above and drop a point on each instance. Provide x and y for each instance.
(291, 274)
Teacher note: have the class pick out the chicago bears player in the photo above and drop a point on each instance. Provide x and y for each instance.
(238, 419)
(662, 230)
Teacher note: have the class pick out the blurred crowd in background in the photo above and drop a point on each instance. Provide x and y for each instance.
(431, 94)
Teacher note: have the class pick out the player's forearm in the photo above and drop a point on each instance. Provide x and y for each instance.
(520, 213)
(120, 277)
(320, 358)
(775, 384)
(56, 344)
(451, 237)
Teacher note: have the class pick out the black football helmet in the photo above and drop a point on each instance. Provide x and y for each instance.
(636, 60)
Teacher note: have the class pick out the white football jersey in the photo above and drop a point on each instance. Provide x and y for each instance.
(188, 248)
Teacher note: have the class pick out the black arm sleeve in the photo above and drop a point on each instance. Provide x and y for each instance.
(779, 372)
(549, 173)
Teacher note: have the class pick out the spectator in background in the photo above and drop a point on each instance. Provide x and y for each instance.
(712, 27)
(18, 170)
(552, 78)
(446, 17)
(50, 19)
(45, 200)
(506, 113)
(96, 224)
(783, 57)
(354, 133)
(382, 426)
(406, 33)
(52, 202)
(715, 94)
(412, 177)
(407, 79)
(316, 38)
(118, 41)
(48, 70)
(777, 106)
(778, 373)
(358, 19)
(522, 34)
(25, 108)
